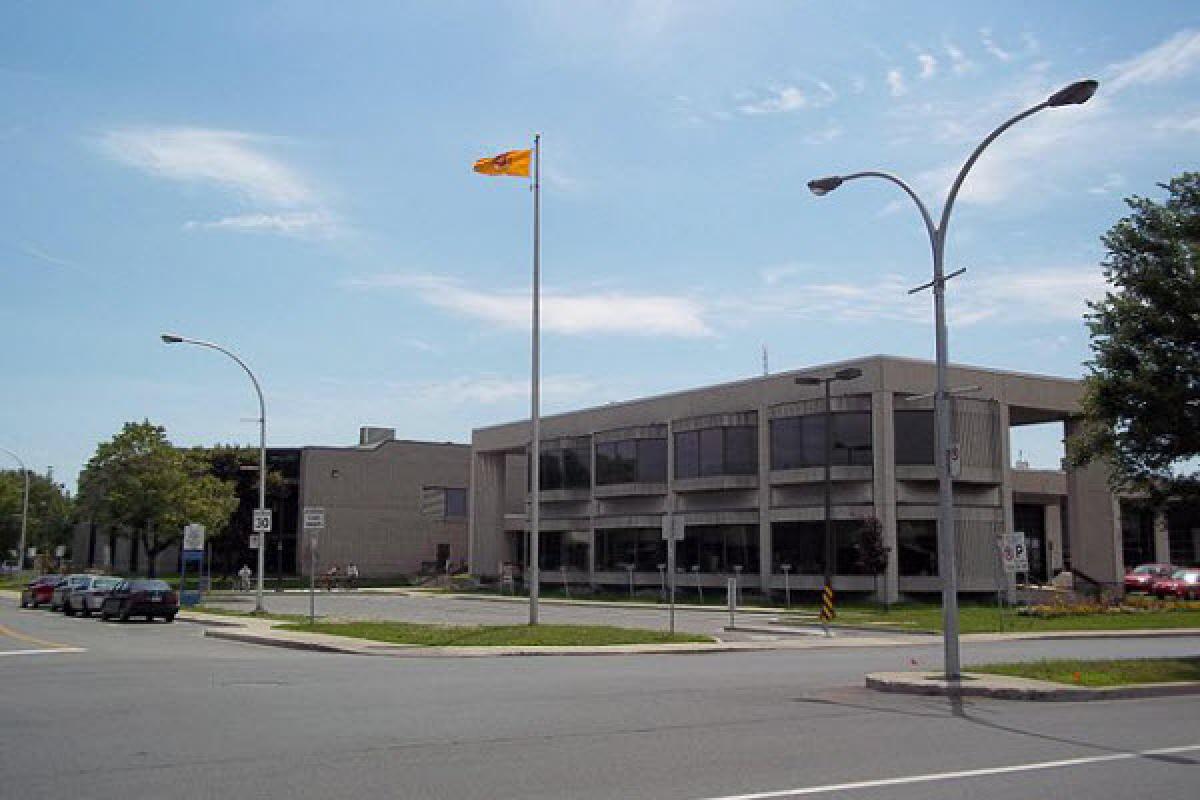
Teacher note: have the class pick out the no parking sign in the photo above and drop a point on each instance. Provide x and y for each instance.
(1014, 553)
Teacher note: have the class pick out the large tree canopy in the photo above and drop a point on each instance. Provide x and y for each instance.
(50, 509)
(139, 483)
(1142, 393)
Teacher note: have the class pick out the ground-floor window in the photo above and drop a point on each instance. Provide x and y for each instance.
(916, 543)
(1183, 534)
(618, 548)
(558, 549)
(719, 548)
(1137, 534)
(802, 546)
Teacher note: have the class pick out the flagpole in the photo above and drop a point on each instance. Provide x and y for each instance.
(535, 449)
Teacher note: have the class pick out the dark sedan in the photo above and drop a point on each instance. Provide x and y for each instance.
(140, 598)
(39, 590)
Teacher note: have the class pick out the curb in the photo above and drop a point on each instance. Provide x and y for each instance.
(558, 601)
(1024, 689)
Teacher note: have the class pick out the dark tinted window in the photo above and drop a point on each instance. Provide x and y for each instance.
(916, 541)
(717, 451)
(566, 466)
(741, 450)
(631, 461)
(915, 438)
(617, 548)
(800, 441)
(687, 454)
(652, 460)
(456, 502)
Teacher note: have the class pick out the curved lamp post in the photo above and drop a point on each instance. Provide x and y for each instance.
(24, 512)
(170, 338)
(1075, 94)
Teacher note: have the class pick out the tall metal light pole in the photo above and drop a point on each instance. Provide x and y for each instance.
(170, 338)
(1075, 94)
(848, 374)
(24, 512)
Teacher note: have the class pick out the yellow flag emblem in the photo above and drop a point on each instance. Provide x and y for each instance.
(514, 162)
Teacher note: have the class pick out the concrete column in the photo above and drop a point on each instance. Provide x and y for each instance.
(1006, 495)
(883, 488)
(1162, 542)
(1094, 519)
(485, 529)
(764, 499)
(1053, 525)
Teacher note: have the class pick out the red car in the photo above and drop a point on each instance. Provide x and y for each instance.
(40, 590)
(1141, 578)
(1184, 584)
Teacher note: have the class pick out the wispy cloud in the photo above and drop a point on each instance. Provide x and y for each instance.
(1185, 124)
(928, 64)
(989, 44)
(562, 312)
(895, 82)
(783, 99)
(293, 223)
(825, 135)
(41, 255)
(958, 59)
(1112, 182)
(232, 160)
(1173, 58)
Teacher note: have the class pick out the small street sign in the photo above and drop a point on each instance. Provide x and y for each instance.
(255, 541)
(193, 537)
(262, 520)
(672, 529)
(314, 518)
(1014, 553)
(954, 461)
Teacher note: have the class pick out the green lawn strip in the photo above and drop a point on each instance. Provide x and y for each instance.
(1101, 673)
(987, 619)
(494, 635)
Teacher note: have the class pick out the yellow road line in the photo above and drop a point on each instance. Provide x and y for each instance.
(24, 637)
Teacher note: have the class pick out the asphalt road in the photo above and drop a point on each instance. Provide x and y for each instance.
(151, 710)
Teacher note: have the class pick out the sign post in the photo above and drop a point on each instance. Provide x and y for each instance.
(193, 551)
(314, 523)
(672, 532)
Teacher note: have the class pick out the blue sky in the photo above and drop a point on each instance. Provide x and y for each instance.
(293, 180)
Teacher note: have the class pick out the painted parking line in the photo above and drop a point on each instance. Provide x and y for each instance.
(42, 643)
(43, 652)
(951, 776)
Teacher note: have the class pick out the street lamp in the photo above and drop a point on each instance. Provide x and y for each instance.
(24, 512)
(1075, 94)
(171, 338)
(847, 374)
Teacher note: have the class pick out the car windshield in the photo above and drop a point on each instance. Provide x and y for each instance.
(1179, 574)
(149, 586)
(105, 583)
(1147, 569)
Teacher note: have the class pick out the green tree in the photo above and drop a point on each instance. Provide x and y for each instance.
(144, 488)
(1142, 393)
(50, 512)
(872, 553)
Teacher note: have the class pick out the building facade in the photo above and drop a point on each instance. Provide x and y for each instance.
(741, 467)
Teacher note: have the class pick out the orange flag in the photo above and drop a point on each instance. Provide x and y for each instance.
(514, 162)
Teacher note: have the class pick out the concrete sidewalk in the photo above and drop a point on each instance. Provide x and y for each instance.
(1005, 687)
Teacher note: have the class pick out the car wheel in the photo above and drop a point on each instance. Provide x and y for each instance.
(67, 609)
(123, 615)
(169, 618)
(104, 617)
(86, 611)
(24, 602)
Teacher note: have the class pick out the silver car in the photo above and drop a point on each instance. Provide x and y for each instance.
(88, 597)
(58, 600)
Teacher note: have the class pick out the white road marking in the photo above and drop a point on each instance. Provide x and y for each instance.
(43, 651)
(949, 776)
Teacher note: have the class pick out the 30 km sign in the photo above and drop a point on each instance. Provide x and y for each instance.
(1014, 553)
(262, 520)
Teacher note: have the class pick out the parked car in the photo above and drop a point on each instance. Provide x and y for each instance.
(39, 590)
(88, 597)
(9, 568)
(140, 597)
(1184, 584)
(1142, 577)
(59, 597)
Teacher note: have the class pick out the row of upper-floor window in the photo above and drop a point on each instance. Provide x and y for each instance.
(795, 443)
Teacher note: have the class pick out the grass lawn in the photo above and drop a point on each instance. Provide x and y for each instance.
(1102, 673)
(494, 635)
(987, 619)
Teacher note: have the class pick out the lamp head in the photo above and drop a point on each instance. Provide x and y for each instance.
(1075, 94)
(848, 374)
(823, 186)
(804, 380)
(171, 338)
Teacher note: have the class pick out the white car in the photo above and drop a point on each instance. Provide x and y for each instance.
(88, 597)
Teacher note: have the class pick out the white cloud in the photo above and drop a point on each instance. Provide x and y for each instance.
(232, 160)
(958, 60)
(491, 389)
(784, 99)
(1173, 58)
(608, 312)
(990, 45)
(773, 275)
(824, 135)
(1179, 124)
(858, 84)
(296, 223)
(895, 82)
(41, 255)
(1112, 181)
(928, 65)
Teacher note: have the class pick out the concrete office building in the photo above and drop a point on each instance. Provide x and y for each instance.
(392, 507)
(741, 465)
